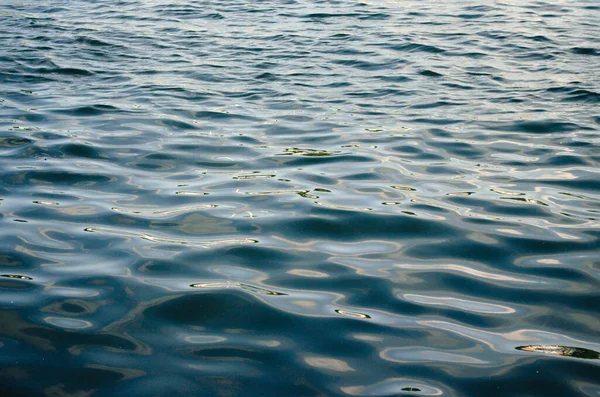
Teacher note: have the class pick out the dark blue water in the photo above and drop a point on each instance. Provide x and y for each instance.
(299, 198)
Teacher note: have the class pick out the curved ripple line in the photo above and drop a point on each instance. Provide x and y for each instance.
(157, 239)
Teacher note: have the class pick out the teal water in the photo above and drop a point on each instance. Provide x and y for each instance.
(299, 198)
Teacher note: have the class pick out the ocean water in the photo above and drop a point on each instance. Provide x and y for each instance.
(299, 198)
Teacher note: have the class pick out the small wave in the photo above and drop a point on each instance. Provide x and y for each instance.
(567, 351)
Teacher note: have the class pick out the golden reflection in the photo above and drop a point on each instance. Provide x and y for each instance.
(506, 192)
(331, 364)
(462, 304)
(525, 200)
(549, 261)
(44, 202)
(356, 248)
(250, 214)
(566, 236)
(505, 341)
(269, 343)
(73, 292)
(560, 175)
(165, 211)
(308, 152)
(229, 284)
(260, 291)
(406, 188)
(155, 239)
(368, 338)
(577, 352)
(68, 323)
(352, 314)
(253, 176)
(18, 276)
(188, 193)
(79, 210)
(307, 195)
(226, 284)
(343, 207)
(510, 231)
(470, 271)
(204, 339)
(274, 192)
(307, 273)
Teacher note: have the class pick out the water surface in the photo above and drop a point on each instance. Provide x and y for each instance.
(299, 198)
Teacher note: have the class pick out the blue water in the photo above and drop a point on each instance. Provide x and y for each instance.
(299, 198)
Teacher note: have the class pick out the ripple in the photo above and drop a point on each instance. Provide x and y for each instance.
(166, 240)
(567, 351)
(462, 304)
(245, 287)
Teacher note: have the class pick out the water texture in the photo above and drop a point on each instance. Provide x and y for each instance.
(299, 198)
